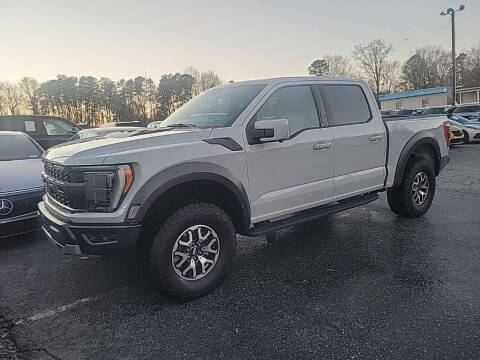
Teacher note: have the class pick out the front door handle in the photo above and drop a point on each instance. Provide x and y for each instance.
(374, 138)
(322, 146)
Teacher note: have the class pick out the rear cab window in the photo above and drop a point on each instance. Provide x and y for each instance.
(345, 104)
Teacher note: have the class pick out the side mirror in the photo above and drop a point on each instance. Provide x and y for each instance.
(269, 130)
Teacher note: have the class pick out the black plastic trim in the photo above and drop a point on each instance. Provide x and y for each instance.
(421, 138)
(312, 214)
(184, 173)
(226, 142)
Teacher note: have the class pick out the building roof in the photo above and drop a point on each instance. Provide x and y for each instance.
(412, 93)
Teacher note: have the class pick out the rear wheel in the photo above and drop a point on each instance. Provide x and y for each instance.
(415, 194)
(191, 252)
(466, 138)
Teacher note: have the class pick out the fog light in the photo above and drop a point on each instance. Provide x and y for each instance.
(96, 238)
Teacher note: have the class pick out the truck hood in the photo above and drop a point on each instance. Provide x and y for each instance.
(94, 151)
(18, 175)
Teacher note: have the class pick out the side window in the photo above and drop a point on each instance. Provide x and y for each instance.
(294, 103)
(57, 127)
(346, 105)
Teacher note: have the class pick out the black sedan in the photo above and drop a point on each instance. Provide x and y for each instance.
(21, 186)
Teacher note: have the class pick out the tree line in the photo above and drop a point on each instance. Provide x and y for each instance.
(428, 66)
(93, 101)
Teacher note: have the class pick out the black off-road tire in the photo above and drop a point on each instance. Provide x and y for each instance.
(400, 198)
(160, 272)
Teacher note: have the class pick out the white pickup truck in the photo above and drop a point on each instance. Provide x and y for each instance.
(247, 158)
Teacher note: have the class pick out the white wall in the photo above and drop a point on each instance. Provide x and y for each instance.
(415, 102)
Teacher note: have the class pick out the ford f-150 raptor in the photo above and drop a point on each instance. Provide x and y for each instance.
(244, 158)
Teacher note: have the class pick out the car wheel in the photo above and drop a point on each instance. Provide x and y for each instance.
(415, 194)
(192, 252)
(466, 138)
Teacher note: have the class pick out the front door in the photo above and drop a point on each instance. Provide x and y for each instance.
(297, 173)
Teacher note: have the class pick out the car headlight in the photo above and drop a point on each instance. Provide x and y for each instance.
(106, 186)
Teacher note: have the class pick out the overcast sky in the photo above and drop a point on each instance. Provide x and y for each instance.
(242, 39)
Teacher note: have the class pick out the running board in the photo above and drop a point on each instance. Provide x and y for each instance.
(312, 214)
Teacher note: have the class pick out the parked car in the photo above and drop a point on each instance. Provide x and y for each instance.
(456, 135)
(122, 124)
(438, 110)
(21, 186)
(45, 130)
(471, 112)
(99, 132)
(154, 124)
(471, 129)
(400, 113)
(249, 158)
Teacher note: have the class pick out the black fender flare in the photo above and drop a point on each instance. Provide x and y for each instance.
(184, 173)
(422, 138)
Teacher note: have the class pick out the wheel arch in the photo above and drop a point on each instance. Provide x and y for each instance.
(417, 146)
(203, 182)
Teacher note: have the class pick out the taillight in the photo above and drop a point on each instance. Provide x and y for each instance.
(446, 133)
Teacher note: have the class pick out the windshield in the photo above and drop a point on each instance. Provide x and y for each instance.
(17, 147)
(467, 109)
(217, 107)
(459, 119)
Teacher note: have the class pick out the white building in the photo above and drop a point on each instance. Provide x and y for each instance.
(415, 99)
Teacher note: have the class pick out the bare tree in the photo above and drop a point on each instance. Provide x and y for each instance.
(207, 80)
(29, 87)
(11, 98)
(428, 67)
(392, 77)
(372, 58)
(339, 65)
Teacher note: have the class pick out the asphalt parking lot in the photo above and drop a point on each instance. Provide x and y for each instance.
(360, 284)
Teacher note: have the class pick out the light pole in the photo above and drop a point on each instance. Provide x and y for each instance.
(451, 12)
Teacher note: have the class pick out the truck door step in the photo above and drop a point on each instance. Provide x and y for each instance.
(312, 214)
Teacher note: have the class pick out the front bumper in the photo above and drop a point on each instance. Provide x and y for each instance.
(86, 239)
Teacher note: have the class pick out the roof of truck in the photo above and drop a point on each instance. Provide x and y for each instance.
(291, 78)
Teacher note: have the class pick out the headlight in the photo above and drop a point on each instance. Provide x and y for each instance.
(106, 187)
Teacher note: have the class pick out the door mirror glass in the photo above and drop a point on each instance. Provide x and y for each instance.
(270, 130)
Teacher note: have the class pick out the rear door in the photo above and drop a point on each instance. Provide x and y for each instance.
(359, 138)
(297, 173)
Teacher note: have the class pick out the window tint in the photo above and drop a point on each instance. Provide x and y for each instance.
(346, 104)
(294, 103)
(16, 147)
(57, 127)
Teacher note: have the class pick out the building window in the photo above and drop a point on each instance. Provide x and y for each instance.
(398, 105)
(424, 102)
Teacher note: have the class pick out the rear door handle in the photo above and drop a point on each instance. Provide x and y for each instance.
(374, 138)
(322, 146)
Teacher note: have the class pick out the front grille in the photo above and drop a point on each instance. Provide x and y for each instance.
(62, 173)
(64, 185)
(457, 133)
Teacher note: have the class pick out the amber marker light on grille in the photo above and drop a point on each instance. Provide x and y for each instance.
(128, 179)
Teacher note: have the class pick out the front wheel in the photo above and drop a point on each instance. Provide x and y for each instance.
(466, 138)
(415, 194)
(191, 252)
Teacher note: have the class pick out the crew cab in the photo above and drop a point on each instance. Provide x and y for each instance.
(244, 158)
